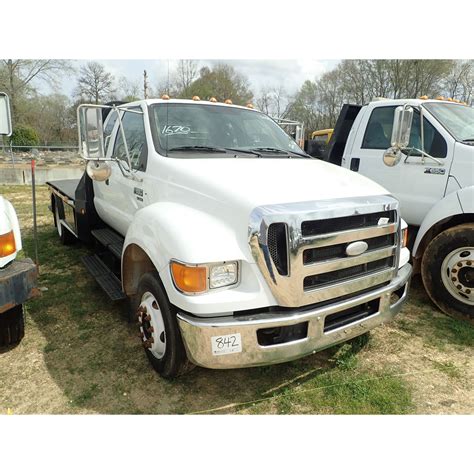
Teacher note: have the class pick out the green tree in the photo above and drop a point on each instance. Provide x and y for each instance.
(221, 82)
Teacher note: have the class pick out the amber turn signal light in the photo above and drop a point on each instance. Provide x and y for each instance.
(404, 237)
(7, 244)
(189, 279)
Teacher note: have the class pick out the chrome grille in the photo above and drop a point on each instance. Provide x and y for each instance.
(314, 243)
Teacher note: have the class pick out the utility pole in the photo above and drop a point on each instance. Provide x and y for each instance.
(145, 84)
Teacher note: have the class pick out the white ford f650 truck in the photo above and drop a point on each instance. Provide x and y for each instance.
(17, 277)
(431, 142)
(235, 248)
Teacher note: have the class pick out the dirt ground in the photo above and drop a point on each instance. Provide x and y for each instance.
(80, 355)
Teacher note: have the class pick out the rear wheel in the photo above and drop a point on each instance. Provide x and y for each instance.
(447, 269)
(159, 331)
(65, 237)
(12, 326)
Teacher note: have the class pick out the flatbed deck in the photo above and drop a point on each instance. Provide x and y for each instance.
(65, 187)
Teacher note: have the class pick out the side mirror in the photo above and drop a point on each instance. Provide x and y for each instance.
(98, 170)
(402, 121)
(5, 115)
(91, 132)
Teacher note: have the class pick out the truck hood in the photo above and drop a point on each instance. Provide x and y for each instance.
(246, 183)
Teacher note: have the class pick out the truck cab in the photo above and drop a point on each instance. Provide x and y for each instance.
(234, 247)
(433, 180)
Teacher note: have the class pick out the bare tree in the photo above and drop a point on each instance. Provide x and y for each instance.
(18, 75)
(186, 73)
(129, 90)
(95, 83)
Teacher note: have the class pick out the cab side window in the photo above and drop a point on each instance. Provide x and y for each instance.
(109, 126)
(379, 133)
(134, 131)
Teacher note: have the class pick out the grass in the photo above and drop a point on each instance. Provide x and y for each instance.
(80, 355)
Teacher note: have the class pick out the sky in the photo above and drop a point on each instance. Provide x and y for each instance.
(291, 73)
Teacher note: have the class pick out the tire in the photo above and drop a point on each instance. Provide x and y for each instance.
(167, 354)
(12, 326)
(65, 237)
(447, 270)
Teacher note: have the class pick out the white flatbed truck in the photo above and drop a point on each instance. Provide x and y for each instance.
(234, 247)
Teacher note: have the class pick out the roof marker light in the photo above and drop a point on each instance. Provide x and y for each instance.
(423, 97)
(212, 99)
(227, 101)
(165, 97)
(249, 106)
(196, 97)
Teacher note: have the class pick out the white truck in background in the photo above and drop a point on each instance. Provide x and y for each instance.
(17, 277)
(422, 151)
(234, 247)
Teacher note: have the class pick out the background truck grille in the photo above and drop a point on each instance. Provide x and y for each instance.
(303, 254)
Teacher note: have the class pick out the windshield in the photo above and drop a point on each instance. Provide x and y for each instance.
(457, 119)
(200, 128)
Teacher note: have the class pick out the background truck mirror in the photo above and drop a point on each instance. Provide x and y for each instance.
(5, 115)
(402, 121)
(392, 157)
(91, 132)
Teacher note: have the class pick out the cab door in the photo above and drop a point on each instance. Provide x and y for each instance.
(417, 185)
(121, 196)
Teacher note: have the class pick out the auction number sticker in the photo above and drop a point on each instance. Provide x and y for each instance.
(228, 344)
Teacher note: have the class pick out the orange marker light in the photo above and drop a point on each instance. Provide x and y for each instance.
(165, 97)
(249, 106)
(212, 99)
(196, 97)
(227, 101)
(189, 279)
(7, 244)
(423, 97)
(404, 237)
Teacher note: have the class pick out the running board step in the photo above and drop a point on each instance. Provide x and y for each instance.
(104, 277)
(110, 239)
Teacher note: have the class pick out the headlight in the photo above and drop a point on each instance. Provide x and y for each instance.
(223, 275)
(194, 279)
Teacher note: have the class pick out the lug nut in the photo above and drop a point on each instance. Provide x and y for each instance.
(459, 264)
(454, 270)
(459, 287)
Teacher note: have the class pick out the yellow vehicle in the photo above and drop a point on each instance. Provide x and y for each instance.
(322, 136)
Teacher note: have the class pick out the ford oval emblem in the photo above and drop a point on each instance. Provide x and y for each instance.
(356, 248)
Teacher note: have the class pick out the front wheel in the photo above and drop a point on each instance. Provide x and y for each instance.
(159, 331)
(447, 270)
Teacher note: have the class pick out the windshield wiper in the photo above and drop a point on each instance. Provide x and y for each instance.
(243, 150)
(279, 150)
(210, 149)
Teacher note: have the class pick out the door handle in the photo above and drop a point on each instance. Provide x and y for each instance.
(355, 164)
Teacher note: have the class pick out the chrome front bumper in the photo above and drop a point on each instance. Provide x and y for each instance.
(198, 332)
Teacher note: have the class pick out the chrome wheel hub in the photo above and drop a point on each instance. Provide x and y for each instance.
(457, 274)
(152, 326)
